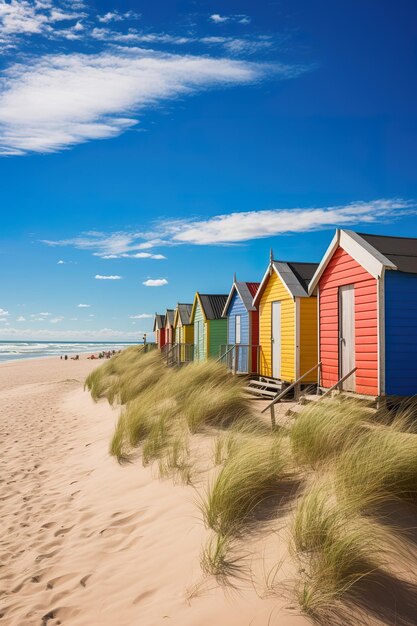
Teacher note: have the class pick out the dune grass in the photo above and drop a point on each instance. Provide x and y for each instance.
(125, 375)
(252, 478)
(322, 430)
(337, 549)
(350, 458)
(380, 466)
(219, 559)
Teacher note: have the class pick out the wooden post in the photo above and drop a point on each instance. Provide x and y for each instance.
(273, 422)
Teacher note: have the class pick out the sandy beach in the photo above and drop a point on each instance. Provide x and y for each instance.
(86, 541)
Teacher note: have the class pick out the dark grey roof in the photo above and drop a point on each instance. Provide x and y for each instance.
(159, 321)
(246, 292)
(402, 251)
(169, 317)
(213, 305)
(296, 275)
(184, 312)
(245, 295)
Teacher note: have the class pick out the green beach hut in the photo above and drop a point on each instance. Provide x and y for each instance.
(210, 329)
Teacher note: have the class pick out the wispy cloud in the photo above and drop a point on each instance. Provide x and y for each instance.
(57, 101)
(111, 277)
(155, 282)
(32, 17)
(239, 227)
(20, 319)
(136, 255)
(4, 313)
(56, 320)
(115, 16)
(83, 306)
(222, 19)
(141, 316)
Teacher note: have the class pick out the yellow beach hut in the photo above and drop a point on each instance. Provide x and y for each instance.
(287, 321)
(184, 332)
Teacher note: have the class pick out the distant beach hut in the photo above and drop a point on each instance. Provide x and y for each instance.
(210, 328)
(169, 328)
(287, 322)
(159, 330)
(367, 293)
(184, 332)
(241, 353)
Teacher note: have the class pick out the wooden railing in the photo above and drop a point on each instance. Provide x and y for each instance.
(339, 383)
(295, 385)
(240, 358)
(179, 353)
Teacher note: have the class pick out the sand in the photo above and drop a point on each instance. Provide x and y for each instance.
(86, 541)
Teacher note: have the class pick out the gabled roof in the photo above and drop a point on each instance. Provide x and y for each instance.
(402, 251)
(183, 313)
(158, 322)
(374, 252)
(212, 305)
(169, 317)
(295, 277)
(246, 292)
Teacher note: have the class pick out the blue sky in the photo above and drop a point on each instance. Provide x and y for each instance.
(177, 142)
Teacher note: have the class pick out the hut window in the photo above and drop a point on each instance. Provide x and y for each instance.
(237, 329)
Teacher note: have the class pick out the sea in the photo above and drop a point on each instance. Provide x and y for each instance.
(16, 350)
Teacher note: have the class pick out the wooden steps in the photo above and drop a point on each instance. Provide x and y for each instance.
(263, 387)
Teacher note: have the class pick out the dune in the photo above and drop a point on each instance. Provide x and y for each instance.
(86, 541)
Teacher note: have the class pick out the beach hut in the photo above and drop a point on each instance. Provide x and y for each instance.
(184, 332)
(210, 328)
(242, 349)
(169, 328)
(367, 294)
(159, 330)
(287, 322)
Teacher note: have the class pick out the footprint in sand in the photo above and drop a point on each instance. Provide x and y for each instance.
(59, 580)
(143, 596)
(62, 531)
(83, 581)
(46, 556)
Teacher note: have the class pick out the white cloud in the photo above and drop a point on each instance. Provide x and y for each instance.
(56, 320)
(21, 319)
(244, 226)
(83, 306)
(3, 313)
(155, 282)
(141, 316)
(237, 227)
(61, 262)
(57, 101)
(111, 277)
(137, 255)
(115, 16)
(218, 19)
(221, 19)
(31, 17)
(44, 314)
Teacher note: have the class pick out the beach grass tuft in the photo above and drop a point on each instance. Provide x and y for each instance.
(251, 479)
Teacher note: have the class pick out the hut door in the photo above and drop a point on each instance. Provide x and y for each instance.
(347, 335)
(276, 339)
